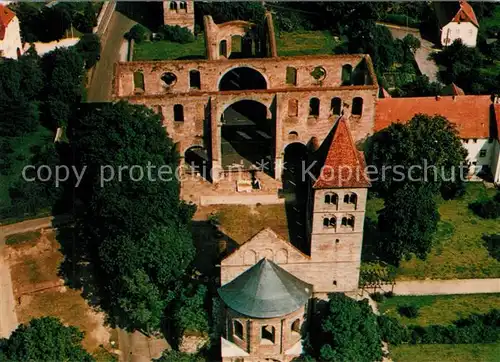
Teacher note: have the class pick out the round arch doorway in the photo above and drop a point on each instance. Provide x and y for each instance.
(248, 137)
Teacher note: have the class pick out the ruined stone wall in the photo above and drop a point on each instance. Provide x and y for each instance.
(179, 13)
(274, 70)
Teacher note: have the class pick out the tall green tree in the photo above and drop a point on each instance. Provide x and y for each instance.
(44, 339)
(135, 229)
(89, 48)
(408, 223)
(425, 150)
(347, 331)
(64, 69)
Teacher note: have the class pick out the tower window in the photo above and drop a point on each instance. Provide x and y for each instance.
(291, 76)
(267, 335)
(331, 199)
(173, 5)
(183, 5)
(348, 221)
(336, 106)
(357, 106)
(330, 222)
(346, 74)
(296, 326)
(194, 79)
(351, 198)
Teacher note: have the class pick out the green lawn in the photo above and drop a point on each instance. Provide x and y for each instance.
(20, 158)
(440, 309)
(167, 50)
(446, 353)
(305, 43)
(459, 250)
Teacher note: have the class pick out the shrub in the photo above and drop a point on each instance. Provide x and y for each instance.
(487, 209)
(392, 331)
(409, 311)
(138, 32)
(176, 34)
(400, 19)
(377, 297)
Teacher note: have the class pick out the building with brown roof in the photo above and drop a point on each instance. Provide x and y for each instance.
(457, 20)
(10, 34)
(475, 117)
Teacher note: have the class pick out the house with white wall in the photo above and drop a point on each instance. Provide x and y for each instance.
(457, 20)
(476, 117)
(10, 34)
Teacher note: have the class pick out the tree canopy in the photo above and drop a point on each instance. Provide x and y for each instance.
(429, 142)
(407, 223)
(44, 339)
(135, 229)
(347, 331)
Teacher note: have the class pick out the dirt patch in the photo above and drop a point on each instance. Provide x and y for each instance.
(40, 292)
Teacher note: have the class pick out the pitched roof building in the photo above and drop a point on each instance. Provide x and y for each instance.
(10, 34)
(457, 20)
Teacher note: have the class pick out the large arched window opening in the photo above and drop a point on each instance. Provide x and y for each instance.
(197, 162)
(236, 47)
(242, 78)
(248, 137)
(296, 326)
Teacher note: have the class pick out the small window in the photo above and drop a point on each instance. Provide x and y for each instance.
(482, 153)
(465, 140)
(335, 282)
(314, 107)
(337, 241)
(194, 79)
(357, 106)
(178, 113)
(139, 82)
(291, 76)
(346, 74)
(267, 335)
(238, 329)
(331, 199)
(329, 222)
(173, 5)
(336, 106)
(490, 140)
(223, 48)
(474, 140)
(296, 326)
(183, 5)
(348, 221)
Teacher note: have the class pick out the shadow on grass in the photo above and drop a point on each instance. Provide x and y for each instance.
(492, 244)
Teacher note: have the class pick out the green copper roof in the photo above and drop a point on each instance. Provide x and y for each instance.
(265, 291)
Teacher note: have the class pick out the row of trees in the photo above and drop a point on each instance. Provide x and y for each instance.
(36, 91)
(43, 23)
(422, 160)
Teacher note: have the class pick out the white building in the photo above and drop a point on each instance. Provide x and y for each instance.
(10, 34)
(457, 20)
(476, 117)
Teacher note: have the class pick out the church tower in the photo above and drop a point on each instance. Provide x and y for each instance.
(338, 202)
(179, 13)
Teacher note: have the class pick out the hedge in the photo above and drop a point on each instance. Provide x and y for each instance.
(483, 328)
(399, 19)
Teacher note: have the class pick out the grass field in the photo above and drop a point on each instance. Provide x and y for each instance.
(459, 250)
(305, 43)
(34, 268)
(167, 50)
(442, 309)
(446, 353)
(21, 238)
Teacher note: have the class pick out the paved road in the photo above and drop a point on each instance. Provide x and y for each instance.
(102, 79)
(445, 287)
(426, 66)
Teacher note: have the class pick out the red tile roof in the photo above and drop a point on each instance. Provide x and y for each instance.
(6, 15)
(467, 10)
(344, 165)
(497, 120)
(471, 114)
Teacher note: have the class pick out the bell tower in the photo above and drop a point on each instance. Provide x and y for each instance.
(338, 201)
(179, 13)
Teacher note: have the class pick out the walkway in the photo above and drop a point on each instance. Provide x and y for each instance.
(426, 66)
(444, 287)
(102, 79)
